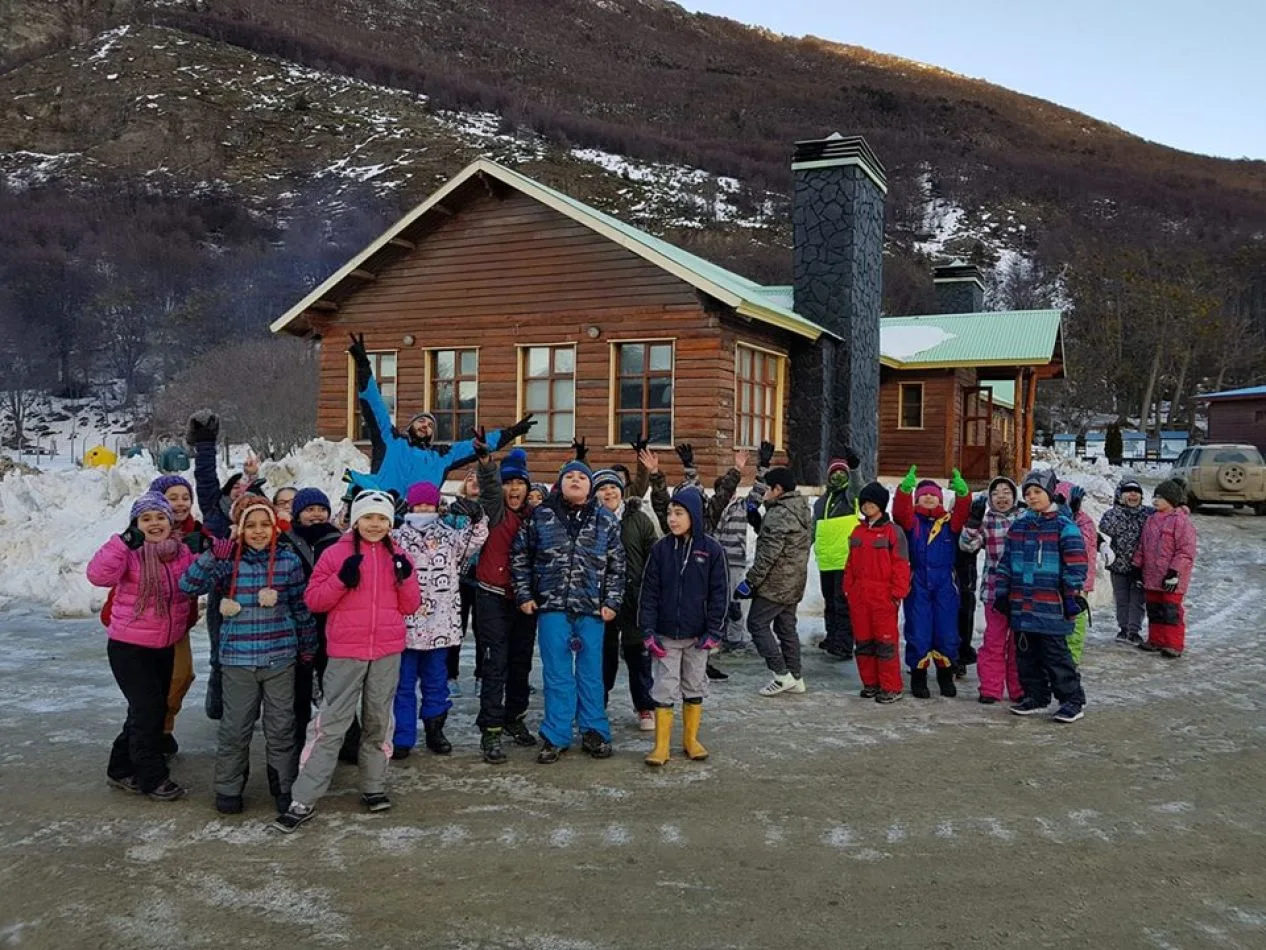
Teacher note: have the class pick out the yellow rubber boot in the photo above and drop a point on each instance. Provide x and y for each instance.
(663, 733)
(691, 715)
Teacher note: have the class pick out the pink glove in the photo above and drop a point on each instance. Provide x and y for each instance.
(708, 641)
(222, 548)
(654, 646)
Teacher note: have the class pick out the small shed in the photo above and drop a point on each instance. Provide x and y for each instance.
(1238, 416)
(1066, 446)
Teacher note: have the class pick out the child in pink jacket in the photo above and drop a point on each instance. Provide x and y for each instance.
(364, 587)
(1166, 554)
(148, 617)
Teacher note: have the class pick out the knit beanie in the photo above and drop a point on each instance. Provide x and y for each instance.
(575, 465)
(423, 493)
(1043, 478)
(837, 465)
(309, 498)
(875, 493)
(245, 504)
(515, 465)
(928, 487)
(780, 476)
(1129, 483)
(606, 476)
(539, 487)
(164, 482)
(420, 415)
(152, 501)
(1173, 491)
(373, 503)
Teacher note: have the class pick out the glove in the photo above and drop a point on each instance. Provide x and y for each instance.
(686, 453)
(911, 479)
(349, 573)
(1002, 605)
(1075, 496)
(1170, 583)
(360, 357)
(765, 455)
(639, 445)
(977, 515)
(709, 641)
(958, 484)
(520, 428)
(578, 446)
(222, 548)
(480, 442)
(1073, 606)
(654, 646)
(734, 613)
(133, 537)
(204, 426)
(852, 458)
(401, 565)
(468, 507)
(743, 591)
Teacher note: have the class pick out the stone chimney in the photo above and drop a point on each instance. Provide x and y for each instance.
(959, 288)
(838, 227)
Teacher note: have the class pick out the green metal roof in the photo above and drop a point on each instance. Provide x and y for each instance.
(992, 338)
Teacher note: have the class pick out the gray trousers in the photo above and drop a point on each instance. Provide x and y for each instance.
(735, 630)
(245, 688)
(1127, 591)
(779, 647)
(682, 674)
(368, 685)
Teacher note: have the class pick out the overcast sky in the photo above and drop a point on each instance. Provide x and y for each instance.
(1184, 73)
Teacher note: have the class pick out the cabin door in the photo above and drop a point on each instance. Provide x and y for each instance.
(976, 459)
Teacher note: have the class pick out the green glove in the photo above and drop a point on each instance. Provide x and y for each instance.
(911, 479)
(958, 484)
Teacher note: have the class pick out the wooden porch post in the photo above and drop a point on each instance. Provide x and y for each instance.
(1030, 423)
(1021, 427)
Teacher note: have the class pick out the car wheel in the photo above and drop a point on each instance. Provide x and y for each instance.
(1261, 508)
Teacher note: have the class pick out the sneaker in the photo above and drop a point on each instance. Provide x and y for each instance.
(798, 686)
(376, 801)
(1170, 654)
(490, 746)
(885, 698)
(960, 672)
(1147, 646)
(781, 683)
(282, 802)
(168, 745)
(593, 743)
(168, 791)
(295, 815)
(1029, 707)
(1068, 712)
(1135, 638)
(986, 700)
(228, 804)
(125, 784)
(715, 674)
(549, 753)
(399, 752)
(454, 689)
(869, 692)
(646, 721)
(517, 730)
(1123, 638)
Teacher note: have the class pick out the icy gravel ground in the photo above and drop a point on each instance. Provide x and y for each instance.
(820, 820)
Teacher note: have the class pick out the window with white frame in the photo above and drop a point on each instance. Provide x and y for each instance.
(547, 381)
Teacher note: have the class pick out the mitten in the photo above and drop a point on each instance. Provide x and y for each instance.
(958, 484)
(360, 358)
(578, 446)
(734, 613)
(911, 479)
(1073, 606)
(468, 507)
(222, 548)
(765, 455)
(686, 452)
(1170, 583)
(349, 573)
(520, 428)
(204, 426)
(708, 641)
(977, 515)
(480, 443)
(654, 646)
(743, 591)
(133, 537)
(639, 445)
(402, 567)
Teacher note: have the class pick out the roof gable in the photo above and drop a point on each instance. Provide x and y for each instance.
(1249, 392)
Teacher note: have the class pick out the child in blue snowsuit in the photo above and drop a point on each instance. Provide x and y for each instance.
(931, 609)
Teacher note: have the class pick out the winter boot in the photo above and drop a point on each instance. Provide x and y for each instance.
(596, 746)
(869, 692)
(549, 753)
(691, 716)
(375, 801)
(517, 730)
(663, 736)
(716, 674)
(490, 746)
(945, 680)
(435, 738)
(229, 804)
(919, 684)
(399, 752)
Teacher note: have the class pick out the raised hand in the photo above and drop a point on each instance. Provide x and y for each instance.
(639, 446)
(357, 349)
(911, 479)
(649, 460)
(765, 455)
(204, 426)
(958, 484)
(479, 439)
(520, 428)
(741, 458)
(250, 468)
(133, 537)
(578, 446)
(686, 452)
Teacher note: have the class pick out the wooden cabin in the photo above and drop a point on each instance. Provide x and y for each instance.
(1238, 416)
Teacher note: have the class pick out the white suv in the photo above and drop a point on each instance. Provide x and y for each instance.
(1223, 475)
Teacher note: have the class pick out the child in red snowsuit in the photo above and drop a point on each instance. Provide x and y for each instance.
(1166, 554)
(876, 580)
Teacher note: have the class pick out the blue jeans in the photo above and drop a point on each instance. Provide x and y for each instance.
(430, 667)
(573, 680)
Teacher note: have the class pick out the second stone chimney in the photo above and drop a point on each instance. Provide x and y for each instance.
(959, 288)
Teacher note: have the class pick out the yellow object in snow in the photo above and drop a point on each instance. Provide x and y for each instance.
(99, 457)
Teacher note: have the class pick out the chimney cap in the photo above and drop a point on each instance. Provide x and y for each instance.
(955, 271)
(837, 150)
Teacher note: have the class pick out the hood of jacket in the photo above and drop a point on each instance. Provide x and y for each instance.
(1015, 494)
(692, 500)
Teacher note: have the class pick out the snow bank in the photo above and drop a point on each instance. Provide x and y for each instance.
(52, 523)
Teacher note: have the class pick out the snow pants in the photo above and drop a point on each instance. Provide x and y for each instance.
(779, 647)
(995, 660)
(571, 666)
(682, 675)
(347, 682)
(181, 679)
(1127, 592)
(1077, 639)
(144, 676)
(214, 701)
(246, 688)
(967, 578)
(428, 669)
(637, 662)
(839, 625)
(1045, 667)
(932, 623)
(505, 637)
(1166, 620)
(736, 630)
(874, 621)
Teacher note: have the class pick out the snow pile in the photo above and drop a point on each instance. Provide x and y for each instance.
(52, 523)
(901, 343)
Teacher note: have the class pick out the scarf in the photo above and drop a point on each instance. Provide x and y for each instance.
(150, 593)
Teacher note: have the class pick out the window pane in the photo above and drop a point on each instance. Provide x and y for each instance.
(387, 365)
(443, 397)
(469, 362)
(465, 422)
(388, 390)
(745, 363)
(538, 433)
(565, 362)
(661, 394)
(564, 394)
(444, 364)
(660, 428)
(662, 357)
(631, 359)
(538, 361)
(745, 398)
(536, 396)
(564, 427)
(630, 426)
(631, 395)
(444, 429)
(468, 391)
